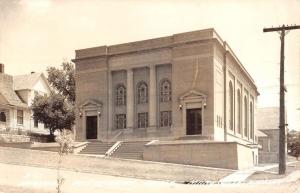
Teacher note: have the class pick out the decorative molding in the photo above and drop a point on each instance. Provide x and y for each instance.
(193, 95)
(91, 103)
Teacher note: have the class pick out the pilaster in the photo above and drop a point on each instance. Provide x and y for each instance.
(152, 97)
(130, 100)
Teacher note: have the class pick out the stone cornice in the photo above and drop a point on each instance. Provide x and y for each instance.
(148, 45)
(168, 42)
(173, 45)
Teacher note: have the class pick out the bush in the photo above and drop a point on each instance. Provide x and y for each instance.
(295, 149)
(43, 138)
(14, 131)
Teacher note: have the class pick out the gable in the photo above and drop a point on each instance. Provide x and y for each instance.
(267, 118)
(41, 85)
(91, 103)
(29, 81)
(193, 94)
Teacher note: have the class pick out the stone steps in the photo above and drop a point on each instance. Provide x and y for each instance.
(194, 137)
(130, 150)
(97, 148)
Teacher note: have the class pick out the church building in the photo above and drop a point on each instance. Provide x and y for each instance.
(187, 86)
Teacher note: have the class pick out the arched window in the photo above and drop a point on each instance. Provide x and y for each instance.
(120, 95)
(142, 93)
(2, 117)
(231, 106)
(245, 116)
(239, 112)
(165, 91)
(251, 121)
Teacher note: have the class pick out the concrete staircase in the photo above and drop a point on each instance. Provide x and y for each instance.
(194, 137)
(97, 148)
(130, 150)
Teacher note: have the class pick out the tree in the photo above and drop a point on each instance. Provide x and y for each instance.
(63, 80)
(65, 141)
(293, 144)
(295, 149)
(56, 111)
(53, 111)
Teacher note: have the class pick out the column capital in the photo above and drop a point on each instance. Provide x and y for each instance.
(152, 66)
(130, 69)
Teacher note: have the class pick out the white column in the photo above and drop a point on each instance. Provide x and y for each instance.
(130, 100)
(152, 97)
(12, 118)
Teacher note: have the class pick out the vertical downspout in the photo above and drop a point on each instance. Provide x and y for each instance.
(225, 91)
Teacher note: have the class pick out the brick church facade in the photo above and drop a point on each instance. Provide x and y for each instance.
(185, 86)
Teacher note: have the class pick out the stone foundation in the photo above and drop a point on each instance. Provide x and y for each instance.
(229, 155)
(11, 138)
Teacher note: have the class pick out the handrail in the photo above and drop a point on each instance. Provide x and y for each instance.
(153, 141)
(113, 148)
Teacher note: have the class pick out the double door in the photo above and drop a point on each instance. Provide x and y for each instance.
(91, 127)
(194, 121)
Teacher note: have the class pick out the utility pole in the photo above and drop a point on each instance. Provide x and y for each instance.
(282, 124)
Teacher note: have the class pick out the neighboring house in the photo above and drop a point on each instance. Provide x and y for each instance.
(185, 86)
(268, 134)
(16, 96)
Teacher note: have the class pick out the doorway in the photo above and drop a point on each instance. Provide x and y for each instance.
(194, 121)
(91, 127)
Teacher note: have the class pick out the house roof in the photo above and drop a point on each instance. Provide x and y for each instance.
(267, 118)
(12, 98)
(7, 92)
(26, 81)
(261, 134)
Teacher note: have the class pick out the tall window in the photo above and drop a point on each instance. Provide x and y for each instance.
(120, 95)
(142, 93)
(165, 118)
(245, 117)
(121, 121)
(238, 111)
(20, 117)
(35, 123)
(2, 117)
(230, 106)
(251, 121)
(142, 120)
(165, 91)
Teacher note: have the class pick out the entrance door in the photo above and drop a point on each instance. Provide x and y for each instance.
(91, 127)
(193, 121)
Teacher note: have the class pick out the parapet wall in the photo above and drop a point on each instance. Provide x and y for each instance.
(211, 154)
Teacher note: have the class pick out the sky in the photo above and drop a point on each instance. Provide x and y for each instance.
(35, 34)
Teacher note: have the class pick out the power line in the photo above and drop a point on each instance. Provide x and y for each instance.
(283, 30)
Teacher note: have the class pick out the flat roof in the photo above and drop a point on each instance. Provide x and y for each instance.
(159, 43)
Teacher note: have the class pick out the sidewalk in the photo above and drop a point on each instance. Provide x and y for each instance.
(44, 179)
(242, 175)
